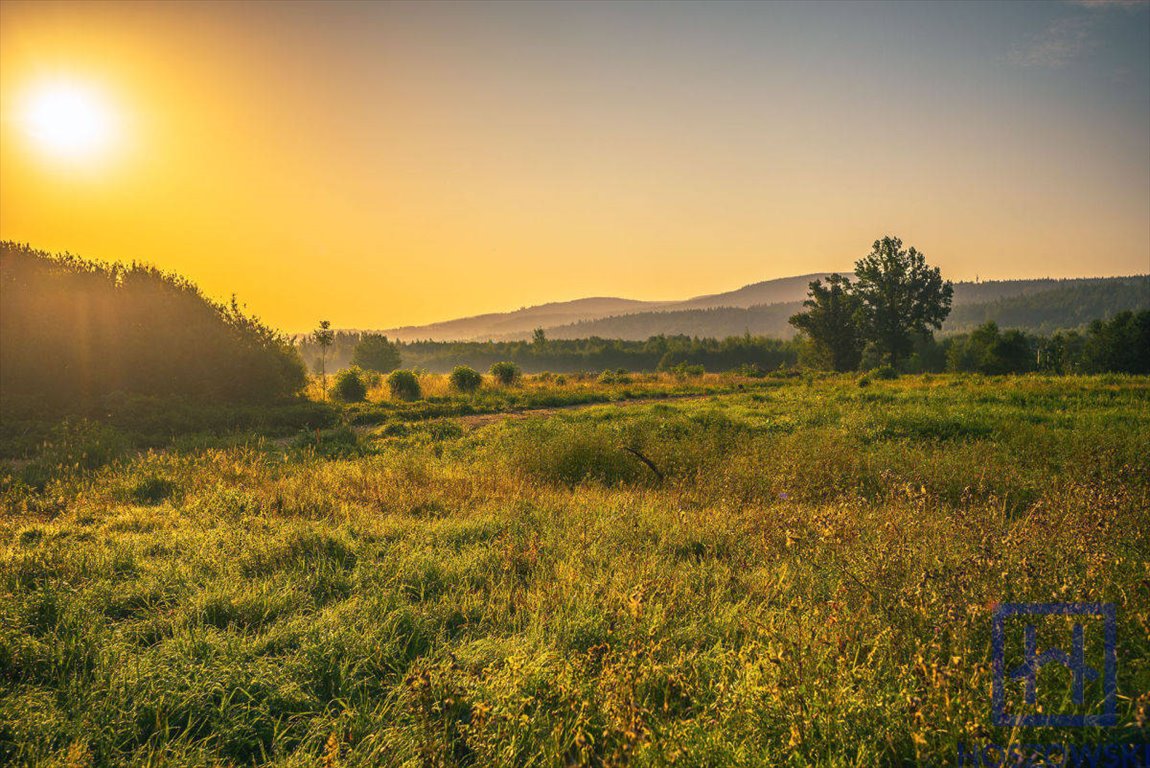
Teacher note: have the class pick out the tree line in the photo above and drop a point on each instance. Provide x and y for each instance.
(1119, 344)
(376, 353)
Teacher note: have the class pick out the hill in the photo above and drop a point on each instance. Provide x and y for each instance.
(783, 289)
(1068, 304)
(520, 323)
(1039, 306)
(764, 307)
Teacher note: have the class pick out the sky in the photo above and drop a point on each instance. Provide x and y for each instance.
(386, 164)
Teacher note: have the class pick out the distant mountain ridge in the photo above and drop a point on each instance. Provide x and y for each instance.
(763, 308)
(522, 322)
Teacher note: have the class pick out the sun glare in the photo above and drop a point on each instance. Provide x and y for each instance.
(68, 120)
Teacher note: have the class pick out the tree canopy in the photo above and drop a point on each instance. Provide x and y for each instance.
(374, 352)
(831, 321)
(901, 296)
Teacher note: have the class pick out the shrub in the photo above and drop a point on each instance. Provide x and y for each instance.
(506, 373)
(404, 385)
(465, 379)
(685, 370)
(885, 372)
(614, 377)
(350, 386)
(131, 329)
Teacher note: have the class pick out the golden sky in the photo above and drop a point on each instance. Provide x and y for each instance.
(395, 164)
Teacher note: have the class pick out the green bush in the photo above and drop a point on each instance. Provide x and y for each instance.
(614, 377)
(465, 379)
(685, 370)
(131, 329)
(404, 385)
(350, 386)
(506, 373)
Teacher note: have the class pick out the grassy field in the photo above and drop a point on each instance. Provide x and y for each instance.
(803, 574)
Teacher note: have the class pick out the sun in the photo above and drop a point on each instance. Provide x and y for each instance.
(69, 120)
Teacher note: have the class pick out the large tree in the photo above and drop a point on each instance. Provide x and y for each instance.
(901, 296)
(375, 352)
(831, 321)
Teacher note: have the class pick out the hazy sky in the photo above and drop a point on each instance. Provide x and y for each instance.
(388, 164)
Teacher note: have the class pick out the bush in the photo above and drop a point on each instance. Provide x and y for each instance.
(684, 370)
(404, 385)
(506, 373)
(465, 379)
(131, 329)
(885, 373)
(350, 386)
(614, 377)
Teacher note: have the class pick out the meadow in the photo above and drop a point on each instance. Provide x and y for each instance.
(634, 570)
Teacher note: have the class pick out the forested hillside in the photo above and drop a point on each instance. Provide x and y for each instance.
(1038, 306)
(1070, 304)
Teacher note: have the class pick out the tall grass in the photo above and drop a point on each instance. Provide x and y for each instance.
(810, 582)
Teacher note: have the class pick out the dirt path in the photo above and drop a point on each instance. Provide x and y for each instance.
(478, 420)
(483, 419)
